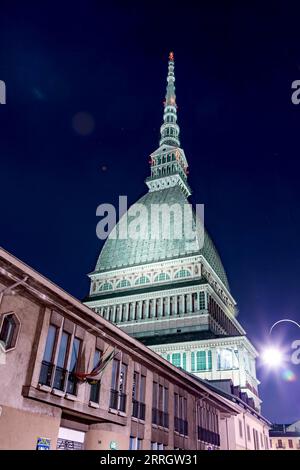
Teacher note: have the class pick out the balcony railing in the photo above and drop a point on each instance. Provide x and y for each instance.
(181, 426)
(95, 392)
(208, 436)
(117, 400)
(72, 384)
(138, 409)
(160, 418)
(60, 378)
(46, 373)
(48, 370)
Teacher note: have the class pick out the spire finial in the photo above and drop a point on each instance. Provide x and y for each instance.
(169, 130)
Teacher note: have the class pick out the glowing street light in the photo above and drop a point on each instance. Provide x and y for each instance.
(273, 357)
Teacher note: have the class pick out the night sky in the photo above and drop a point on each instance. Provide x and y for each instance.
(85, 86)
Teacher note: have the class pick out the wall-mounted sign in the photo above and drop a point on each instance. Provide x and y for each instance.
(43, 443)
(66, 444)
(113, 445)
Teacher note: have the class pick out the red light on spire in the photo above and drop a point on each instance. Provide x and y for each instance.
(171, 56)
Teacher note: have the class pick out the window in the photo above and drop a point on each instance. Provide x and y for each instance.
(201, 300)
(280, 446)
(160, 405)
(50, 342)
(135, 443)
(60, 371)
(161, 277)
(118, 386)
(184, 361)
(248, 433)
(182, 273)
(201, 360)
(9, 331)
(180, 414)
(123, 283)
(157, 446)
(291, 444)
(176, 359)
(193, 362)
(255, 439)
(227, 359)
(241, 428)
(142, 280)
(72, 381)
(208, 424)
(138, 396)
(95, 387)
(106, 286)
(48, 359)
(261, 440)
(209, 360)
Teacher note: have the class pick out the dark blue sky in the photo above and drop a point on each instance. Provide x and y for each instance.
(234, 67)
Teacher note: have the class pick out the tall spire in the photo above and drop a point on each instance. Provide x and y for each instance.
(169, 130)
(168, 163)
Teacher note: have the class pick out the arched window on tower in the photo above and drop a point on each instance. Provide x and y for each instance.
(142, 280)
(182, 273)
(162, 277)
(106, 286)
(123, 283)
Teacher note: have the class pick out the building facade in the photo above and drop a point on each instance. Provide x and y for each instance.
(141, 402)
(285, 436)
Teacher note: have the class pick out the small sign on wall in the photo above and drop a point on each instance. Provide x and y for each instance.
(113, 445)
(43, 443)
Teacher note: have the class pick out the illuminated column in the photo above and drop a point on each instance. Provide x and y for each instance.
(172, 307)
(160, 307)
(182, 304)
(113, 319)
(152, 308)
(147, 309)
(176, 305)
(131, 311)
(168, 306)
(190, 302)
(126, 316)
(139, 309)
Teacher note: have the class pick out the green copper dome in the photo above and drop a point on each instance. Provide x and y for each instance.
(121, 253)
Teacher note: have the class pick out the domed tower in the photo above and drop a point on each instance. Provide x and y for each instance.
(164, 282)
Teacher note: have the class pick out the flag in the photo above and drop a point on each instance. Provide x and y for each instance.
(96, 373)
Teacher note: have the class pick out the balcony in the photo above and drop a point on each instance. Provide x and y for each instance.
(180, 426)
(160, 418)
(208, 436)
(138, 410)
(117, 400)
